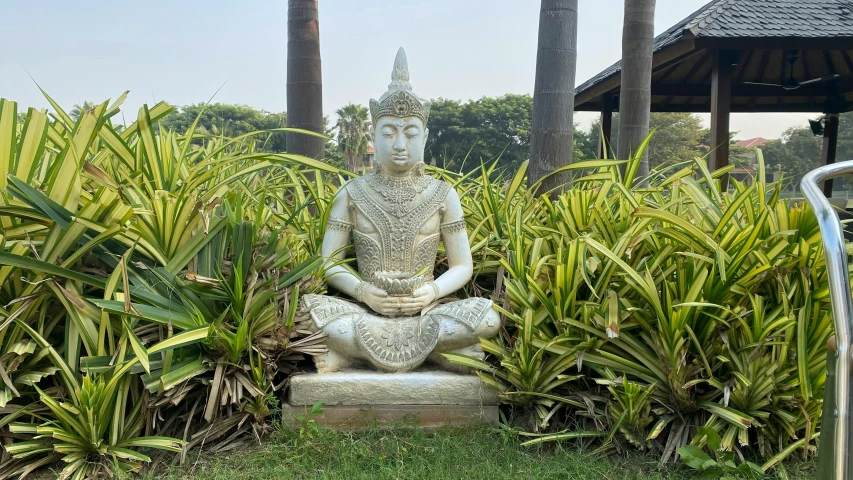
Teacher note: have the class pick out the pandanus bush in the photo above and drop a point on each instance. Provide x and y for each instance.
(149, 282)
(690, 305)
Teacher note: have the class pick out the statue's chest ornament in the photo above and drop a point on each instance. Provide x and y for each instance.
(396, 237)
(398, 193)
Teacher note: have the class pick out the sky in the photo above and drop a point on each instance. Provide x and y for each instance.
(183, 51)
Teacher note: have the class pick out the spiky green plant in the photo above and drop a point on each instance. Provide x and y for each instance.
(164, 256)
(157, 274)
(715, 305)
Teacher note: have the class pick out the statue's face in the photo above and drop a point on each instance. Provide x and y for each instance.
(399, 143)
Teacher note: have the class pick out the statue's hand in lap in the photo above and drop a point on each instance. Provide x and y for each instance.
(395, 306)
(422, 298)
(377, 299)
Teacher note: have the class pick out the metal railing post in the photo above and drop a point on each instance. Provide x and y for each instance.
(827, 423)
(836, 444)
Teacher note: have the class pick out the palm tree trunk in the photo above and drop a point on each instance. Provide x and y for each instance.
(352, 164)
(554, 93)
(304, 78)
(635, 96)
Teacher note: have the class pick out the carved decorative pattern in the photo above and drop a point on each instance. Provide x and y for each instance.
(324, 309)
(401, 343)
(426, 251)
(398, 343)
(338, 225)
(399, 192)
(359, 291)
(453, 227)
(398, 335)
(397, 228)
(369, 255)
(399, 100)
(469, 312)
(400, 104)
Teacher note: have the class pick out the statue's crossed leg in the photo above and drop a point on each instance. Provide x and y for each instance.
(357, 337)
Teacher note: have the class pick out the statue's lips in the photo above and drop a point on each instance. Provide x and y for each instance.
(400, 157)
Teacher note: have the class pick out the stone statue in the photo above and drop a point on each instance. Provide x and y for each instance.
(395, 218)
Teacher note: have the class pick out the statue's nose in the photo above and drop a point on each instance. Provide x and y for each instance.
(399, 145)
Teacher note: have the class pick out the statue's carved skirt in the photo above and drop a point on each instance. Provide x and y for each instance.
(401, 342)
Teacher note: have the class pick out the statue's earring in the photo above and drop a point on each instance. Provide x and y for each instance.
(421, 171)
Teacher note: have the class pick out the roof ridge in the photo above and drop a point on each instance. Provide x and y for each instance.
(709, 15)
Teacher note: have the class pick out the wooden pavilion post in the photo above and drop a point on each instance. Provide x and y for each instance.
(830, 145)
(606, 125)
(721, 106)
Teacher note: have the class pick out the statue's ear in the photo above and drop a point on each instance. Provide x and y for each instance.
(426, 135)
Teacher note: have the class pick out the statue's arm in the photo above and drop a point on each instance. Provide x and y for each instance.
(335, 244)
(455, 238)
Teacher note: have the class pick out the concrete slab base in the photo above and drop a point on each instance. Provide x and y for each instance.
(357, 399)
(362, 387)
(356, 417)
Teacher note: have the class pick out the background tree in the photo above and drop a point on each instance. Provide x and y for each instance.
(332, 155)
(304, 78)
(463, 134)
(353, 132)
(586, 143)
(231, 121)
(845, 137)
(635, 95)
(845, 149)
(551, 144)
(449, 140)
(78, 109)
(677, 137)
(797, 152)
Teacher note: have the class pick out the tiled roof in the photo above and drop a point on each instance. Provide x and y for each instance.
(776, 18)
(752, 142)
(754, 18)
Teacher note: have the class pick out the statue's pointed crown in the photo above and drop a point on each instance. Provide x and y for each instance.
(399, 100)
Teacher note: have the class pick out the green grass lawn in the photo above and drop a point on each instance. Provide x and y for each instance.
(470, 453)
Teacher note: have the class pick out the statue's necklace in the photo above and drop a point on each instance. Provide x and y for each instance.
(399, 192)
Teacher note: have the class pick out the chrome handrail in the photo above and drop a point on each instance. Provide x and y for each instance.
(837, 442)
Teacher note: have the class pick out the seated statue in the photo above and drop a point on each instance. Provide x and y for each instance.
(395, 217)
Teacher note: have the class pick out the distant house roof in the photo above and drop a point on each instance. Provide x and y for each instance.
(752, 142)
(370, 150)
(770, 28)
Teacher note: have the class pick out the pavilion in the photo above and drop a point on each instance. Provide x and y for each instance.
(746, 56)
